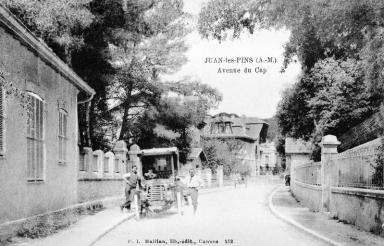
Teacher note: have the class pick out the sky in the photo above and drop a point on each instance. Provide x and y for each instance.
(251, 94)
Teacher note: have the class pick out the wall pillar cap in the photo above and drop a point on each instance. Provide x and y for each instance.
(120, 146)
(134, 150)
(330, 140)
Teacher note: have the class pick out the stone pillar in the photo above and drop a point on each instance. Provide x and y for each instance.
(329, 145)
(98, 163)
(134, 158)
(121, 151)
(220, 176)
(111, 158)
(208, 175)
(88, 155)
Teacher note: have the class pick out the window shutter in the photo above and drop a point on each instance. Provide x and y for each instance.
(35, 139)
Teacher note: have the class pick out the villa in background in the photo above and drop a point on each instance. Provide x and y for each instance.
(268, 157)
(249, 130)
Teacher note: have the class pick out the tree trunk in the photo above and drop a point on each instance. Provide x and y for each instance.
(127, 106)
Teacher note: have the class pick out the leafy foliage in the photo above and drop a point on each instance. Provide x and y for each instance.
(339, 45)
(175, 117)
(59, 23)
(223, 153)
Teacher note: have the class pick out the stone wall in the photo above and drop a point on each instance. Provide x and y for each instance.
(100, 174)
(366, 131)
(363, 208)
(308, 195)
(347, 189)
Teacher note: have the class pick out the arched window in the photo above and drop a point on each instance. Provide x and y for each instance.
(35, 138)
(63, 135)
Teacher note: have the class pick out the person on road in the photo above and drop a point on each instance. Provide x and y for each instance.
(193, 183)
(132, 180)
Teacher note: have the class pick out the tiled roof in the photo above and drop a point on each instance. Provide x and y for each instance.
(195, 153)
(249, 128)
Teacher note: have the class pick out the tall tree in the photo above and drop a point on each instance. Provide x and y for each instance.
(173, 120)
(58, 23)
(151, 45)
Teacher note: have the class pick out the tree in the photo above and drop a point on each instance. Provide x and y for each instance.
(341, 99)
(222, 152)
(58, 23)
(173, 119)
(112, 45)
(152, 45)
(339, 44)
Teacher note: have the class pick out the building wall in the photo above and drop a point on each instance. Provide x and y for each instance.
(270, 151)
(20, 199)
(247, 155)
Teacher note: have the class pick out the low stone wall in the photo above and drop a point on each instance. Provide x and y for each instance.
(95, 189)
(360, 207)
(308, 195)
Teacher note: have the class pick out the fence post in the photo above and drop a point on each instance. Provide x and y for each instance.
(121, 151)
(220, 175)
(88, 157)
(134, 158)
(208, 175)
(110, 164)
(98, 163)
(329, 145)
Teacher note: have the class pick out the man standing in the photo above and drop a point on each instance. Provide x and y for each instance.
(193, 183)
(132, 179)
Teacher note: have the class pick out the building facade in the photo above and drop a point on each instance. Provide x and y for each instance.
(268, 157)
(39, 125)
(297, 152)
(251, 131)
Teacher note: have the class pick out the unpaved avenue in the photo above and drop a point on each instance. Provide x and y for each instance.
(240, 215)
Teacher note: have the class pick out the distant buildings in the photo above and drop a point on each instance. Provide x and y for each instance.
(268, 157)
(296, 151)
(251, 131)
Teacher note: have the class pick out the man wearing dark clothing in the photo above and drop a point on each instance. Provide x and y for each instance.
(131, 179)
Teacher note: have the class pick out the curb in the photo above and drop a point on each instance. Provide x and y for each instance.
(130, 216)
(296, 224)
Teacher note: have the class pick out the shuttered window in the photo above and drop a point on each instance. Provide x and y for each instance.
(63, 138)
(35, 138)
(2, 122)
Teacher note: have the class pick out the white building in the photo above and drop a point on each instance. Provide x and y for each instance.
(268, 156)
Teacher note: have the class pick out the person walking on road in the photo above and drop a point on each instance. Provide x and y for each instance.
(132, 179)
(193, 183)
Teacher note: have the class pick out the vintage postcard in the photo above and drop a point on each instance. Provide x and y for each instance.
(191, 122)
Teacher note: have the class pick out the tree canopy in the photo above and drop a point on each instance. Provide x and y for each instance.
(339, 45)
